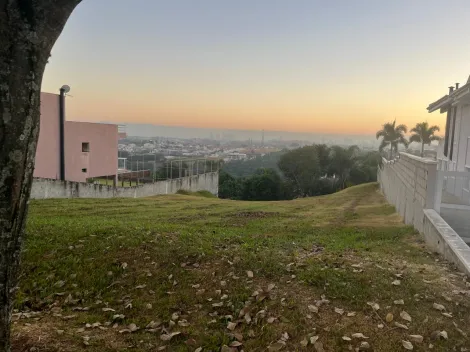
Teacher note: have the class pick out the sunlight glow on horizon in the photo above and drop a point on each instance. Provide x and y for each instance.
(305, 66)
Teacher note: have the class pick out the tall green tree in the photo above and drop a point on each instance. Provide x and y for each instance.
(365, 168)
(424, 134)
(28, 31)
(302, 167)
(230, 187)
(392, 135)
(324, 157)
(342, 161)
(264, 185)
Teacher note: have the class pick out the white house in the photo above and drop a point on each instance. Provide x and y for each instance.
(454, 150)
(453, 168)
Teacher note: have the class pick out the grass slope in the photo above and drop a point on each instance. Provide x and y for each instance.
(183, 264)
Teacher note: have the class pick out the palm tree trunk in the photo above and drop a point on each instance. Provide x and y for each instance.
(422, 149)
(390, 155)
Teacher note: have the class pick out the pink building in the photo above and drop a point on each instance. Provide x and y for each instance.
(88, 150)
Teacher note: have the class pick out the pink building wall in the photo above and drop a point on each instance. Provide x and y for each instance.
(47, 163)
(101, 160)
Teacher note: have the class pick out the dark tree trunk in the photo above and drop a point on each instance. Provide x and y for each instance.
(28, 30)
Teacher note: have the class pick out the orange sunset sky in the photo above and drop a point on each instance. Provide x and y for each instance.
(341, 67)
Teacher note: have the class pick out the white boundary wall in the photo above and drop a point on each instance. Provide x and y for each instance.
(47, 188)
(409, 183)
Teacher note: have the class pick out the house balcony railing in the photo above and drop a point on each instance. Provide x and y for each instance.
(452, 190)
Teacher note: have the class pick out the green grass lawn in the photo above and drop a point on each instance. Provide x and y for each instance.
(189, 273)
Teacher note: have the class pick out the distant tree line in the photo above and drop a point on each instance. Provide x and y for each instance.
(307, 171)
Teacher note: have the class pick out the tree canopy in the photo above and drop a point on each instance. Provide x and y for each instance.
(392, 135)
(424, 134)
(308, 171)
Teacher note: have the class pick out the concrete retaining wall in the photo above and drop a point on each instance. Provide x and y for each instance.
(444, 240)
(409, 184)
(47, 188)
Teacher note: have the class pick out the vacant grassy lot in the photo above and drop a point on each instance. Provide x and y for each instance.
(187, 273)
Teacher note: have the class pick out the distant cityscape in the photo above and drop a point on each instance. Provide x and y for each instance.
(183, 142)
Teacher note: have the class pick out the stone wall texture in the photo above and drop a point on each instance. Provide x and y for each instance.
(408, 183)
(49, 188)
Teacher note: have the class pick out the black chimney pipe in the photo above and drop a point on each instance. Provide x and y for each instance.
(61, 133)
(457, 86)
(451, 89)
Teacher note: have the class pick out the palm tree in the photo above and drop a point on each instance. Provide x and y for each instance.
(392, 136)
(424, 134)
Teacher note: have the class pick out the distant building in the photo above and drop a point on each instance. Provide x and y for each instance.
(89, 150)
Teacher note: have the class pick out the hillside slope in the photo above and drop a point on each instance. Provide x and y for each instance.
(179, 273)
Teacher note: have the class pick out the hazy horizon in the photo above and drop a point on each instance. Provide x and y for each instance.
(304, 66)
(153, 130)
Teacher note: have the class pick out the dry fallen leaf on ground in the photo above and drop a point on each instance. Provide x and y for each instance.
(407, 345)
(416, 338)
(405, 316)
(314, 339)
(235, 344)
(168, 337)
(339, 311)
(359, 335)
(398, 325)
(374, 305)
(313, 309)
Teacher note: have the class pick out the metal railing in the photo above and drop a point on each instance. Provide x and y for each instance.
(452, 190)
(132, 171)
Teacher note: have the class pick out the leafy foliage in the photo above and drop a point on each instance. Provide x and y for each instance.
(424, 134)
(307, 171)
(264, 185)
(302, 167)
(392, 136)
(230, 187)
(342, 161)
